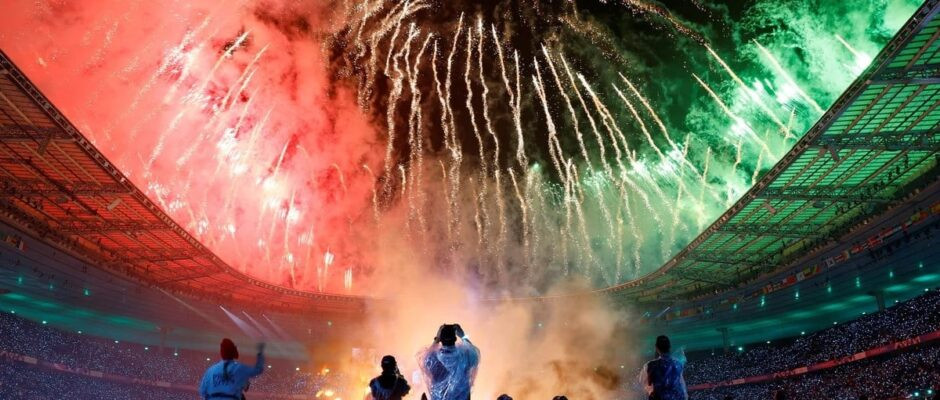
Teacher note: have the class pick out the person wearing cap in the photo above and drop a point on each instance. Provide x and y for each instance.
(663, 375)
(228, 379)
(391, 385)
(450, 367)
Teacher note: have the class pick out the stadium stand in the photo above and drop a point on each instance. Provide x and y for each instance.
(889, 354)
(904, 375)
(65, 362)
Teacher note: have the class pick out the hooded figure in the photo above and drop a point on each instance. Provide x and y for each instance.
(228, 379)
(449, 368)
(391, 385)
(663, 376)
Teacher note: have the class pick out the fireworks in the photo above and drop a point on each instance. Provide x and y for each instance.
(283, 136)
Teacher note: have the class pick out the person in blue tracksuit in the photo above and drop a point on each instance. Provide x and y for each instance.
(664, 374)
(228, 379)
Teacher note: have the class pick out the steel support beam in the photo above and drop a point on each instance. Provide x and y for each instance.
(837, 193)
(17, 133)
(924, 74)
(195, 275)
(92, 226)
(922, 139)
(41, 187)
(701, 277)
(134, 255)
(796, 231)
(731, 259)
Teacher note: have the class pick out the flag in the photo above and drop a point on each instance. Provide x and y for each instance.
(935, 208)
(859, 247)
(844, 255)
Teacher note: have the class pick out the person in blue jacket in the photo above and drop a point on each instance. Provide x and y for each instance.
(228, 379)
(664, 379)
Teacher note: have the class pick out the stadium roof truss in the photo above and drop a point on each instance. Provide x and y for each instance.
(876, 143)
(55, 184)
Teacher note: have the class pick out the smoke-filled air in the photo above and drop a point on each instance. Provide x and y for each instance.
(513, 144)
(429, 153)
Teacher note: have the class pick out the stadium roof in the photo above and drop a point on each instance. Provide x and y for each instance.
(56, 185)
(877, 144)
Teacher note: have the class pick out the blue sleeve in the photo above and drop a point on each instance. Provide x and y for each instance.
(682, 386)
(204, 385)
(473, 354)
(250, 372)
(428, 359)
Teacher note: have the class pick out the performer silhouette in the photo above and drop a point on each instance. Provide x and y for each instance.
(228, 379)
(391, 385)
(450, 367)
(663, 375)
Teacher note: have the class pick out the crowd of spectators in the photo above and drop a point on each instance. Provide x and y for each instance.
(889, 376)
(133, 360)
(912, 318)
(76, 350)
(904, 375)
(20, 381)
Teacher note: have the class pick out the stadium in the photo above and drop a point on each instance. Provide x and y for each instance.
(543, 188)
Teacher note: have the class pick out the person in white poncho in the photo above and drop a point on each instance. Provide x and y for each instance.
(450, 367)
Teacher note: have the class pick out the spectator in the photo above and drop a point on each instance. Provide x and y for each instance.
(915, 317)
(664, 374)
(892, 376)
(450, 368)
(390, 385)
(228, 379)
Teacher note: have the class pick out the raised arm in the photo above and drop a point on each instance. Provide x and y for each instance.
(259, 364)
